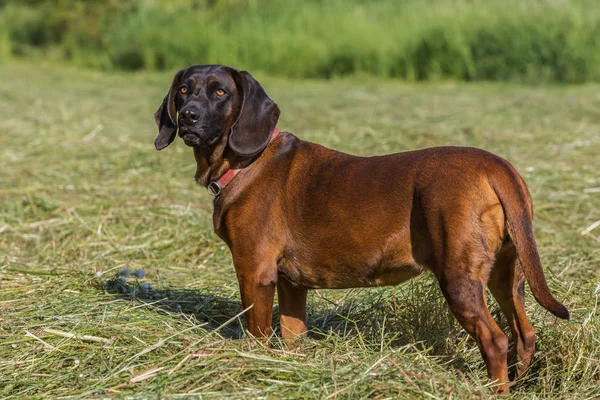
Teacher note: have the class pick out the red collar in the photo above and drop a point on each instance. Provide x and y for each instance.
(214, 187)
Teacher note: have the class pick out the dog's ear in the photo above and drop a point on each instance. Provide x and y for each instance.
(256, 119)
(166, 115)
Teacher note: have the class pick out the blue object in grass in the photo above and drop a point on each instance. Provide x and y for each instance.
(139, 273)
(145, 286)
(126, 273)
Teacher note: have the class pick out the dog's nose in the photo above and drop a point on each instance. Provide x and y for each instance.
(188, 117)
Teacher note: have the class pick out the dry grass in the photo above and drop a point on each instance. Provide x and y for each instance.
(83, 195)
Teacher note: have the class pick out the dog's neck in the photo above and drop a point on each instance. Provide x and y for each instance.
(212, 165)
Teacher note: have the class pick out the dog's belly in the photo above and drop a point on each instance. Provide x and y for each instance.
(396, 275)
(343, 274)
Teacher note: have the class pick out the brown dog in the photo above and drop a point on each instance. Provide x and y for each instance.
(299, 216)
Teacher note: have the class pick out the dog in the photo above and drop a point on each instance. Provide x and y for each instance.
(299, 216)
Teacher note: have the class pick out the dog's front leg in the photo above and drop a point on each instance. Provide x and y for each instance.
(257, 287)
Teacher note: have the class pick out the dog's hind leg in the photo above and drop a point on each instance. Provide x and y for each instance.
(507, 284)
(465, 294)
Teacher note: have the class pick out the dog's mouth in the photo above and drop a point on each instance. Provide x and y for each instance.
(196, 139)
(191, 140)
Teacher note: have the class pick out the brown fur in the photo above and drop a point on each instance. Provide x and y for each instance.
(301, 216)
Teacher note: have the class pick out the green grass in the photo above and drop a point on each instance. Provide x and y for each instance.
(83, 194)
(412, 40)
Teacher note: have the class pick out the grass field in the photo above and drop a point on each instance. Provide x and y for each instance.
(84, 195)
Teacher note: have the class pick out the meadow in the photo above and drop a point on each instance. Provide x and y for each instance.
(84, 196)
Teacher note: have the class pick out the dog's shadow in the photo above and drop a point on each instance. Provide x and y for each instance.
(210, 310)
(414, 314)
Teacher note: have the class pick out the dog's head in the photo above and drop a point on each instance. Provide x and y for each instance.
(206, 102)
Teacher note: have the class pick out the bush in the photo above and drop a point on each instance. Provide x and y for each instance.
(535, 40)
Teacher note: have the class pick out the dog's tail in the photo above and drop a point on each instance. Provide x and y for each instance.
(517, 205)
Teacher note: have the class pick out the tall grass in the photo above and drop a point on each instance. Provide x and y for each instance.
(531, 40)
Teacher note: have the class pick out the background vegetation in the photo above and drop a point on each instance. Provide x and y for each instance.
(532, 40)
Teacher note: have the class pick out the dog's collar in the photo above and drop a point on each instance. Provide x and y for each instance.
(214, 187)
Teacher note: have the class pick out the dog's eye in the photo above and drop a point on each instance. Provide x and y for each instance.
(183, 90)
(220, 92)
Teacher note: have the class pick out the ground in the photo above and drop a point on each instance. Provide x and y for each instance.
(84, 195)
